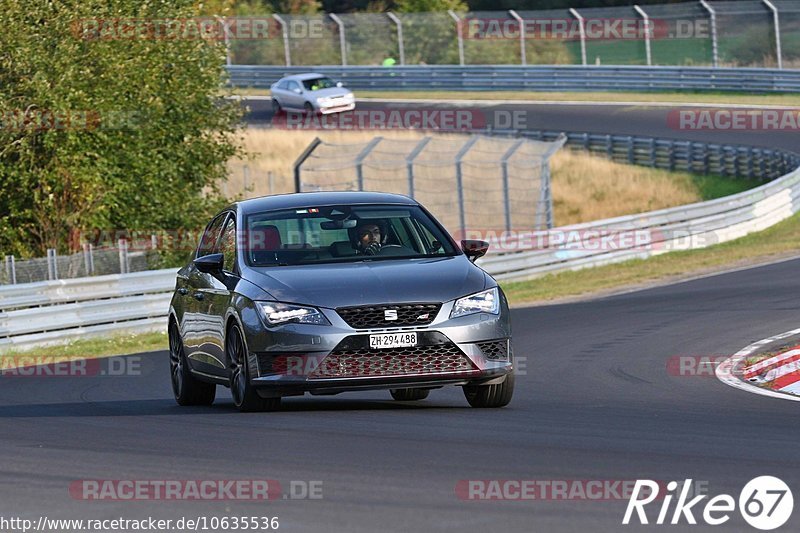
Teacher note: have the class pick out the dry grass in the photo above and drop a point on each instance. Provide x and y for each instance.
(585, 187)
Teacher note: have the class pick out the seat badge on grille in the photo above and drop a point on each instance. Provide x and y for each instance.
(423, 317)
(390, 314)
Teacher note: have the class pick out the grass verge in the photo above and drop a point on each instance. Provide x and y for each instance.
(781, 240)
(616, 96)
(90, 348)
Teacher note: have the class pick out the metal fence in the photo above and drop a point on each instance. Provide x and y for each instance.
(466, 181)
(90, 261)
(532, 78)
(762, 33)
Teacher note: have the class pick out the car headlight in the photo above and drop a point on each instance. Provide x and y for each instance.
(482, 302)
(276, 313)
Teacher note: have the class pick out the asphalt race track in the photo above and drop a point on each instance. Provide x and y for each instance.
(594, 401)
(622, 119)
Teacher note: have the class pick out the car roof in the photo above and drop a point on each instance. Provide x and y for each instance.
(306, 76)
(313, 199)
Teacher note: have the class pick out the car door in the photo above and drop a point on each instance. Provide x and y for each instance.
(200, 328)
(218, 293)
(295, 95)
(280, 92)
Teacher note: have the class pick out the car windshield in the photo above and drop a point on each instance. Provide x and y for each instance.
(341, 234)
(316, 84)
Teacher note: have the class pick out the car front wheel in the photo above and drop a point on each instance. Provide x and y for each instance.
(245, 396)
(490, 395)
(188, 390)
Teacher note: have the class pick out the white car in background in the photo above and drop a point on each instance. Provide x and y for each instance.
(311, 93)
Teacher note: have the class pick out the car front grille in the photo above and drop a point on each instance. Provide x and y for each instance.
(495, 350)
(432, 359)
(375, 316)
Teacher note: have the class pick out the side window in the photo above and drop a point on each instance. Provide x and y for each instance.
(283, 85)
(210, 236)
(293, 85)
(227, 245)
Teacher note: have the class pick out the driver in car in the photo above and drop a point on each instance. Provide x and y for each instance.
(369, 238)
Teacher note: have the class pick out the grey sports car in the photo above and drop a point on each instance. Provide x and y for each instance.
(335, 292)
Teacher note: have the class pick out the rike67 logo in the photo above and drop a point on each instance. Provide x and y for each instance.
(765, 503)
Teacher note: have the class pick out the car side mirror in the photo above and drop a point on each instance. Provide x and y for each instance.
(339, 84)
(209, 264)
(474, 249)
(298, 90)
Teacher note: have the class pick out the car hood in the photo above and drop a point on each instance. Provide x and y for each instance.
(371, 282)
(331, 91)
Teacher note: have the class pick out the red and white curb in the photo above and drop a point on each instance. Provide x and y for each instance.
(781, 372)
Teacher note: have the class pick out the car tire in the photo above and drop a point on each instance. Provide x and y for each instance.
(409, 395)
(490, 395)
(188, 390)
(309, 109)
(245, 397)
(276, 107)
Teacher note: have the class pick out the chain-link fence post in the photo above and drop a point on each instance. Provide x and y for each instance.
(342, 37)
(298, 185)
(11, 270)
(522, 54)
(460, 37)
(506, 191)
(462, 216)
(286, 49)
(546, 196)
(647, 30)
(360, 161)
(123, 256)
(88, 260)
(582, 31)
(410, 163)
(776, 20)
(52, 264)
(400, 44)
(713, 16)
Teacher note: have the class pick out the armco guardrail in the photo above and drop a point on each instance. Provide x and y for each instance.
(46, 312)
(647, 234)
(675, 154)
(533, 78)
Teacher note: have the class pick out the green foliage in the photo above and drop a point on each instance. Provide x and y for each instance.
(156, 140)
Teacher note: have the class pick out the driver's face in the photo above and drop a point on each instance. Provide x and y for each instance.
(368, 234)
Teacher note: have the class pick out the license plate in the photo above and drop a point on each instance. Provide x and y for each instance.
(393, 340)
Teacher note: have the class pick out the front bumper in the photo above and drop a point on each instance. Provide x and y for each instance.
(298, 358)
(336, 108)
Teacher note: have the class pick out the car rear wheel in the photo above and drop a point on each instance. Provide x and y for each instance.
(490, 395)
(276, 107)
(408, 395)
(245, 396)
(188, 390)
